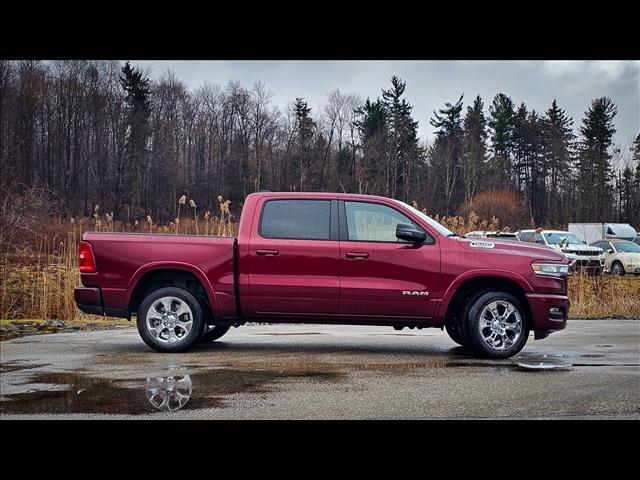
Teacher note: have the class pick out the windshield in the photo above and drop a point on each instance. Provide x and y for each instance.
(566, 238)
(627, 247)
(440, 228)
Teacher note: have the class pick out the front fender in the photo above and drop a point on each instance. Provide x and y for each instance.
(478, 273)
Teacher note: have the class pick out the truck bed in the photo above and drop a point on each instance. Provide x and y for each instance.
(123, 258)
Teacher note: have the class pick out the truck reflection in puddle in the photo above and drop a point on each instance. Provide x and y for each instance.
(169, 394)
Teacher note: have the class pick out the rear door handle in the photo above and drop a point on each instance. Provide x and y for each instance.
(357, 255)
(267, 253)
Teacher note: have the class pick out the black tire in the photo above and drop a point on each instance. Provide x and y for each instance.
(472, 335)
(453, 329)
(214, 333)
(617, 269)
(184, 342)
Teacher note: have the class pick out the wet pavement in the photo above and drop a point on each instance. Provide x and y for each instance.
(589, 370)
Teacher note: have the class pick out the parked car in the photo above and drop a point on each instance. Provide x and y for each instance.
(621, 256)
(326, 258)
(592, 232)
(577, 251)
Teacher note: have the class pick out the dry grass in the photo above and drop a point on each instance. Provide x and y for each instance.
(38, 271)
(604, 296)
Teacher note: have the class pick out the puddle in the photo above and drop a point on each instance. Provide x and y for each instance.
(84, 394)
(290, 333)
(544, 366)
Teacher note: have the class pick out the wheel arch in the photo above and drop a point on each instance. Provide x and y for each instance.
(459, 292)
(152, 277)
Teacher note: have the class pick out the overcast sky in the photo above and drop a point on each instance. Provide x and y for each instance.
(430, 84)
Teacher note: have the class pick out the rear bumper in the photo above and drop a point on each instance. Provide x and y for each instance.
(89, 300)
(549, 312)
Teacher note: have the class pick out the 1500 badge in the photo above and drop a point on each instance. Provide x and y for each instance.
(482, 244)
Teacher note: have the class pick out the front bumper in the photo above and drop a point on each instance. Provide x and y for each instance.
(549, 312)
(589, 263)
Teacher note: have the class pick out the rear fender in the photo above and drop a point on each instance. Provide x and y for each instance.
(186, 267)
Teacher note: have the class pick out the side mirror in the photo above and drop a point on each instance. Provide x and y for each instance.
(411, 233)
(610, 250)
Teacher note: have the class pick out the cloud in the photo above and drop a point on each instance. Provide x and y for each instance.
(430, 84)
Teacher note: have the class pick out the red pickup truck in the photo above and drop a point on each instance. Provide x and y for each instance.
(326, 258)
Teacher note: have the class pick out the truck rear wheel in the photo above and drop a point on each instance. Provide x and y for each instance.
(170, 319)
(214, 333)
(495, 325)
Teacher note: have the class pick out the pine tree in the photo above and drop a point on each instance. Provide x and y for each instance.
(403, 139)
(635, 199)
(371, 123)
(501, 125)
(137, 97)
(305, 129)
(558, 139)
(446, 156)
(536, 192)
(595, 173)
(636, 159)
(474, 148)
(520, 144)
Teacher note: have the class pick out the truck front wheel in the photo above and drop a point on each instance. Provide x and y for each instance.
(453, 329)
(170, 319)
(495, 325)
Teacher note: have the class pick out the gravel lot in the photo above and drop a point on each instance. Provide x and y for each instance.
(589, 370)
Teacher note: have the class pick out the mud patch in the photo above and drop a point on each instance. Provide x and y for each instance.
(84, 394)
(16, 366)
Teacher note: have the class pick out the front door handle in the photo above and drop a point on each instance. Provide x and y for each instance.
(267, 253)
(357, 255)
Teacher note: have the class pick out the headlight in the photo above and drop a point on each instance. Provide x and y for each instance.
(553, 269)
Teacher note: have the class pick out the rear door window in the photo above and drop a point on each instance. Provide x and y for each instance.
(296, 219)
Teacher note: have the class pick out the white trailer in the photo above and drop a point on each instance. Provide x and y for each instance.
(592, 232)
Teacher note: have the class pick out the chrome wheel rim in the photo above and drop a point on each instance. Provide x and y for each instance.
(618, 269)
(169, 320)
(500, 325)
(169, 393)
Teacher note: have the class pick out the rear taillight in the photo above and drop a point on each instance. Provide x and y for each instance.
(86, 262)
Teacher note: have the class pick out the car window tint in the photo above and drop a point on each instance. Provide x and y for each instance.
(373, 222)
(296, 219)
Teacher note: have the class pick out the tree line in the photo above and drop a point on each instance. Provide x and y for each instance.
(103, 132)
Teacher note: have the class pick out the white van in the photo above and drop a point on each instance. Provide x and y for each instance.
(592, 232)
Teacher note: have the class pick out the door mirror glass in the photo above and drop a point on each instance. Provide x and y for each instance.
(410, 233)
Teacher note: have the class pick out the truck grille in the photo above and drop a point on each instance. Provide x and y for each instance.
(585, 253)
